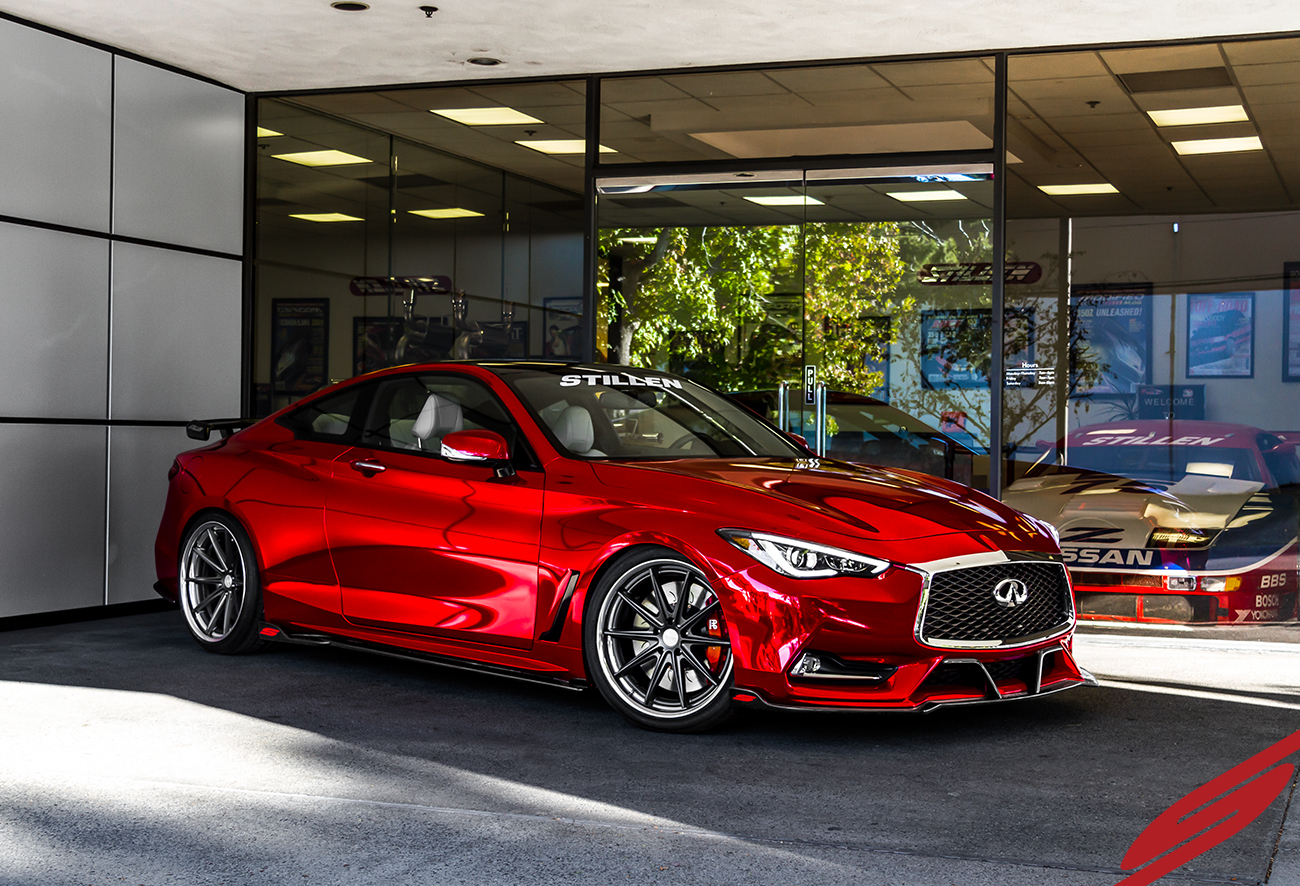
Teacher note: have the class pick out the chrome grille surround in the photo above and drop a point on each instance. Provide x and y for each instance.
(959, 591)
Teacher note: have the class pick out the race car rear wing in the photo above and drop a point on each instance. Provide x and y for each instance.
(202, 428)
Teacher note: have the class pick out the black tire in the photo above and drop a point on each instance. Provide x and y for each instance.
(220, 592)
(656, 643)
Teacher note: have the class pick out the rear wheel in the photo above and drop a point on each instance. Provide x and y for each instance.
(220, 594)
(657, 643)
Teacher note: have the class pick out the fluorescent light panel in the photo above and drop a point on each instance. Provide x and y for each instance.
(321, 158)
(499, 116)
(455, 212)
(785, 201)
(324, 216)
(925, 196)
(561, 146)
(1197, 116)
(263, 132)
(1078, 190)
(1218, 145)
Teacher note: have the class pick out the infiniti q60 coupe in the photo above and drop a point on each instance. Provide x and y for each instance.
(601, 525)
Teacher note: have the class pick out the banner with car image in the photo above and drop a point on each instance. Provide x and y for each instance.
(1221, 335)
(1110, 338)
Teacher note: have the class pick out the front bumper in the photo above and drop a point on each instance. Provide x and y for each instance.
(866, 634)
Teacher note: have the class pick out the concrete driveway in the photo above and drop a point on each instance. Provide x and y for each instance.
(132, 756)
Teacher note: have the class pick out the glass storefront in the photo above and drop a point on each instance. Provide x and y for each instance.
(1157, 193)
(740, 226)
(375, 248)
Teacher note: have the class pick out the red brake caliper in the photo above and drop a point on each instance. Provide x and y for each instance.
(714, 653)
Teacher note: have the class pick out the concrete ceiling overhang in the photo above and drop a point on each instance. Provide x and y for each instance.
(273, 45)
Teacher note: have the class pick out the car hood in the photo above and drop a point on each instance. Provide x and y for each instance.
(1090, 508)
(886, 504)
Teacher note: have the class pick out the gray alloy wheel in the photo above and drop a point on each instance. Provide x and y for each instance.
(220, 594)
(657, 644)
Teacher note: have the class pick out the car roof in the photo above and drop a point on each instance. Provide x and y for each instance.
(1232, 434)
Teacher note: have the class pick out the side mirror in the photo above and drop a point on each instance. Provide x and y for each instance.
(800, 439)
(488, 447)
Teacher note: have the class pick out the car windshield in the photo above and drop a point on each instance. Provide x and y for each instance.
(641, 414)
(1167, 464)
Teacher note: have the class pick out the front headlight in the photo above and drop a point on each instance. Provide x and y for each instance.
(1180, 537)
(802, 559)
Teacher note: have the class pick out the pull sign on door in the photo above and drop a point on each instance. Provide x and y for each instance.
(809, 385)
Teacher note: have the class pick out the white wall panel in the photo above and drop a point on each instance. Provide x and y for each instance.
(55, 128)
(178, 160)
(137, 490)
(55, 316)
(176, 334)
(52, 522)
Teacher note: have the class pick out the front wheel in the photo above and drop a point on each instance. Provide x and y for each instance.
(220, 593)
(657, 644)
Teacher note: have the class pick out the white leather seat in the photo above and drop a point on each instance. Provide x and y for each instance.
(438, 417)
(574, 431)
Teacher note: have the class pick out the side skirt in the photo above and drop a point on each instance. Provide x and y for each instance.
(275, 634)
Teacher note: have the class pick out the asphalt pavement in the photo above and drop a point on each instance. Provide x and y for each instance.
(129, 755)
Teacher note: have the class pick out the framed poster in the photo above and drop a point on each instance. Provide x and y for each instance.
(1291, 321)
(1221, 335)
(1110, 338)
(956, 345)
(562, 331)
(300, 334)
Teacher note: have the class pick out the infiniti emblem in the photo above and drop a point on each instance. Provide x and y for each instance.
(1010, 593)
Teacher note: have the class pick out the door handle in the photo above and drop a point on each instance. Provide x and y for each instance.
(368, 467)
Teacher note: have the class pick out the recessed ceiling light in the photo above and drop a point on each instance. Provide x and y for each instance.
(1077, 190)
(321, 158)
(484, 61)
(785, 201)
(351, 7)
(1218, 145)
(486, 116)
(324, 216)
(925, 196)
(1195, 116)
(561, 146)
(263, 132)
(456, 212)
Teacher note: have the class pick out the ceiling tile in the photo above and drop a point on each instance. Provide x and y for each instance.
(1262, 51)
(1054, 66)
(905, 74)
(1163, 58)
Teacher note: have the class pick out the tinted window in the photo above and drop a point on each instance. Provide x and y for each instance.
(644, 415)
(1167, 463)
(414, 412)
(327, 418)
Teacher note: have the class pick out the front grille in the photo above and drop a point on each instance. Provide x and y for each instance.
(960, 607)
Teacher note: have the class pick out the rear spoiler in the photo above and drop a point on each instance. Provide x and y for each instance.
(201, 429)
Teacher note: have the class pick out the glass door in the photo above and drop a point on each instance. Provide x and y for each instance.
(877, 278)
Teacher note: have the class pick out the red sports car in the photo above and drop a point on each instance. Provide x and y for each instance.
(1174, 520)
(626, 528)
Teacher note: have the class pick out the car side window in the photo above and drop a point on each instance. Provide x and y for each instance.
(414, 413)
(332, 418)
